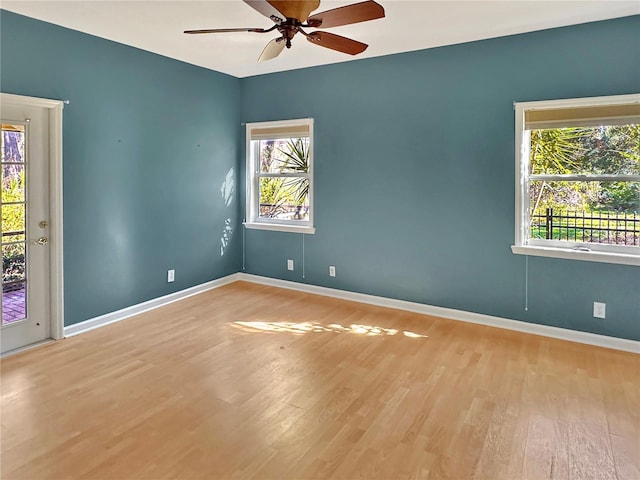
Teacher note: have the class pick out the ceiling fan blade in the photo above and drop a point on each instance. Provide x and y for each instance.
(355, 13)
(265, 8)
(272, 50)
(337, 42)
(299, 9)
(226, 30)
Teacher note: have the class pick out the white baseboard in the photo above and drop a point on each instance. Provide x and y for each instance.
(447, 313)
(452, 314)
(31, 346)
(118, 315)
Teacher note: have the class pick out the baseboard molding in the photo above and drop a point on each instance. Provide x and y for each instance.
(119, 315)
(448, 313)
(26, 348)
(452, 314)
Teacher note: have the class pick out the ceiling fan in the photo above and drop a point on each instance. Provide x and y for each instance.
(291, 16)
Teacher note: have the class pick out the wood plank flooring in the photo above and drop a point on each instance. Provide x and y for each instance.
(253, 382)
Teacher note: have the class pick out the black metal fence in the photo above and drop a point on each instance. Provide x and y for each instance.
(283, 210)
(592, 227)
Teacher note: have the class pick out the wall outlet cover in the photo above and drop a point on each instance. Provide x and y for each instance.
(289, 264)
(599, 310)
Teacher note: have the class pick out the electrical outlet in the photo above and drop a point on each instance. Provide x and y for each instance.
(289, 264)
(599, 310)
(171, 274)
(332, 271)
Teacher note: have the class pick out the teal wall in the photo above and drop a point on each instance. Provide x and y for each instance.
(414, 175)
(148, 143)
(414, 170)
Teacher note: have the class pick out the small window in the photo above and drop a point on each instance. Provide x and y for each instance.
(280, 176)
(578, 179)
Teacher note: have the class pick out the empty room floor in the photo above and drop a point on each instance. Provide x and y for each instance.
(254, 382)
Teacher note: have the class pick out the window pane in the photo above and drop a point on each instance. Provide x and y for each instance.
(13, 220)
(284, 198)
(14, 306)
(10, 237)
(288, 155)
(12, 143)
(591, 212)
(586, 150)
(13, 182)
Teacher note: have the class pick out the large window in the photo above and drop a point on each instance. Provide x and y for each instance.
(578, 179)
(280, 175)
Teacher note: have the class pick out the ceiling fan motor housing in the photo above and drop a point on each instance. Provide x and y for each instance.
(289, 28)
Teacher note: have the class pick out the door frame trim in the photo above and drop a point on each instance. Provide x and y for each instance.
(55, 108)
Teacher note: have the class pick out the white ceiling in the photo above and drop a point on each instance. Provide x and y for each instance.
(157, 26)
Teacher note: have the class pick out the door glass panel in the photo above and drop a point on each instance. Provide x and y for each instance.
(13, 143)
(13, 182)
(13, 222)
(14, 305)
(13, 166)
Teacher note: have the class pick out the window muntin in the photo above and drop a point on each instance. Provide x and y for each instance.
(280, 175)
(578, 175)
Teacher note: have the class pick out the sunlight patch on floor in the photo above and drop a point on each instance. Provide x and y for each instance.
(301, 328)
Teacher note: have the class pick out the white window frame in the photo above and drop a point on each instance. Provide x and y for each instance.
(619, 254)
(253, 219)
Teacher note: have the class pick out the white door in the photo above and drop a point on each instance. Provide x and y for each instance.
(26, 289)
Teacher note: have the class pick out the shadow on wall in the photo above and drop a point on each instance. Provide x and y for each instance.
(227, 233)
(226, 191)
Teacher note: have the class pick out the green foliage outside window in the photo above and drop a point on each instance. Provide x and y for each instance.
(596, 151)
(281, 194)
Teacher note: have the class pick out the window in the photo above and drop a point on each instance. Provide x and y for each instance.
(578, 179)
(280, 176)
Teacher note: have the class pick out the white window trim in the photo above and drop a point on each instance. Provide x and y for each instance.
(625, 255)
(252, 186)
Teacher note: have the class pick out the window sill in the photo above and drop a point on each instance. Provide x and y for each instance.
(566, 253)
(280, 227)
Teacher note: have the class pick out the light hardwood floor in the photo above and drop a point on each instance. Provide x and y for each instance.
(254, 382)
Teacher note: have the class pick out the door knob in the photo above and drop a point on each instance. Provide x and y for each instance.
(42, 241)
